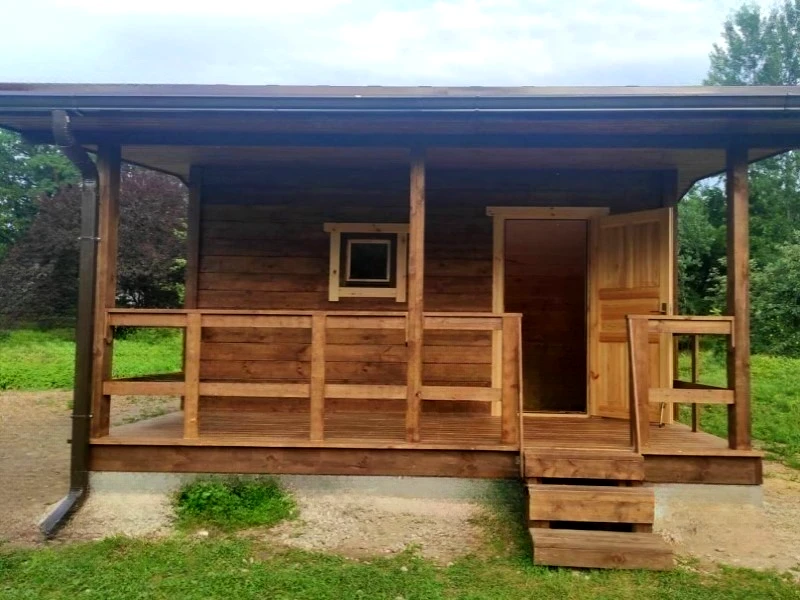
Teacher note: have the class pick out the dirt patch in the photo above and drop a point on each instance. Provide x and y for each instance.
(363, 526)
(759, 537)
(34, 453)
(133, 514)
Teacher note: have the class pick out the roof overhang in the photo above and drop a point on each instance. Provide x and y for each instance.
(172, 127)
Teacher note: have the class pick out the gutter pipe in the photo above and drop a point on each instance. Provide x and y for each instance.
(84, 329)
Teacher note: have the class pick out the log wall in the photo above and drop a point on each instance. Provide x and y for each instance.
(262, 246)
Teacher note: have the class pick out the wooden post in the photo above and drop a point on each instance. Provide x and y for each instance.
(416, 274)
(317, 402)
(638, 348)
(193, 218)
(191, 402)
(193, 237)
(108, 171)
(738, 298)
(695, 377)
(509, 419)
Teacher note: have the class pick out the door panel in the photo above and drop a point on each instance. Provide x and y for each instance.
(631, 262)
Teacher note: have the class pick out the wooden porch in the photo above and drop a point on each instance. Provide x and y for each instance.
(675, 453)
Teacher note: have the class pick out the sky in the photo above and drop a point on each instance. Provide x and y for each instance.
(362, 42)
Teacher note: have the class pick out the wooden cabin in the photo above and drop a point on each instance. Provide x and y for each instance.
(460, 282)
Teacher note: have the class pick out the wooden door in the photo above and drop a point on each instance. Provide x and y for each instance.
(630, 272)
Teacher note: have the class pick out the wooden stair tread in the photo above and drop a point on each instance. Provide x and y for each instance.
(600, 549)
(561, 463)
(591, 503)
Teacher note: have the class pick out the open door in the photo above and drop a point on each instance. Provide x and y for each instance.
(630, 272)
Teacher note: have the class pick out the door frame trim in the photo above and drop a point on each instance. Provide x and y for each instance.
(501, 214)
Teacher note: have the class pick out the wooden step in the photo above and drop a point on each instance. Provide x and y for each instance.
(600, 549)
(616, 465)
(591, 504)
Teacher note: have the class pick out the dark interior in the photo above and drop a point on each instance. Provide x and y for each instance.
(545, 280)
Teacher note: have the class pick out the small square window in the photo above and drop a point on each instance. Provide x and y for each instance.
(368, 261)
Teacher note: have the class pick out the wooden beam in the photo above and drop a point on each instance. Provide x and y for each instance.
(691, 395)
(146, 320)
(464, 323)
(416, 276)
(738, 297)
(509, 419)
(254, 389)
(306, 461)
(108, 170)
(317, 392)
(366, 391)
(461, 393)
(547, 212)
(191, 402)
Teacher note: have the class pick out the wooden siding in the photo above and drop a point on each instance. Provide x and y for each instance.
(262, 246)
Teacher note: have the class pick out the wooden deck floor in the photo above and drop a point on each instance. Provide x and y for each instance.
(387, 430)
(453, 445)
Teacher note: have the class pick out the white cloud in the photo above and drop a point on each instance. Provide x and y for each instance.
(424, 42)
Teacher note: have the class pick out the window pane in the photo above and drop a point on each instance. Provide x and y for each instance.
(369, 261)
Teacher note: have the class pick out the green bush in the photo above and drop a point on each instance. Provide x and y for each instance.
(233, 503)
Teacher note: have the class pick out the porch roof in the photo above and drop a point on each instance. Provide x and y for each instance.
(171, 127)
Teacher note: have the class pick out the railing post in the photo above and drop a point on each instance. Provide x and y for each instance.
(695, 377)
(191, 374)
(317, 388)
(509, 419)
(416, 316)
(638, 346)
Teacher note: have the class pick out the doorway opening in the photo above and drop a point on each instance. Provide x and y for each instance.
(545, 271)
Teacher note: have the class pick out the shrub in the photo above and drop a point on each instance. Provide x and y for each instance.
(233, 503)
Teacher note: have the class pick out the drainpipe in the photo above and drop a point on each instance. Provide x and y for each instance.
(84, 328)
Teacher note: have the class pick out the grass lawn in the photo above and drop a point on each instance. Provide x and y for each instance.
(42, 360)
(231, 567)
(775, 402)
(242, 567)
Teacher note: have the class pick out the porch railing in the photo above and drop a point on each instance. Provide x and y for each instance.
(315, 388)
(643, 395)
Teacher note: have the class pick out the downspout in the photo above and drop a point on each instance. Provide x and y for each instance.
(84, 328)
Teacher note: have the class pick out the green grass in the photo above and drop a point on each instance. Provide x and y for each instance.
(188, 568)
(229, 503)
(42, 360)
(775, 402)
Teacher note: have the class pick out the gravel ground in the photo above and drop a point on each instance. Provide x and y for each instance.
(361, 526)
(759, 537)
(34, 454)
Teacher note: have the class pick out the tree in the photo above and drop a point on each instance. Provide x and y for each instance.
(40, 273)
(776, 302)
(758, 48)
(27, 173)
